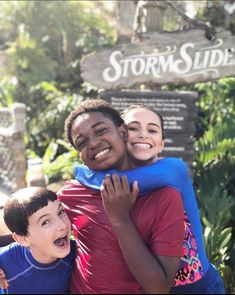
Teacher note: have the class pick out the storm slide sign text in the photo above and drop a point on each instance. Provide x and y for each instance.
(162, 58)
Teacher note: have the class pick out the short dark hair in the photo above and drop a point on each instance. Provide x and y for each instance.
(24, 203)
(139, 106)
(88, 106)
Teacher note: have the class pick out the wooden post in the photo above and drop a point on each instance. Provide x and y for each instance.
(154, 15)
(35, 175)
(139, 17)
(154, 22)
(19, 116)
(3, 228)
(125, 18)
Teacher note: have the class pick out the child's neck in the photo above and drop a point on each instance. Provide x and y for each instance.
(123, 165)
(42, 258)
(140, 163)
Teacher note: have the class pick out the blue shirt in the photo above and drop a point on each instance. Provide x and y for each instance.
(171, 172)
(27, 276)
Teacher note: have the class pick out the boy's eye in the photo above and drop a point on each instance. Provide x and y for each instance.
(80, 144)
(61, 212)
(100, 131)
(45, 222)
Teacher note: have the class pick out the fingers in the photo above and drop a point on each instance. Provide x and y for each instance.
(113, 187)
(135, 189)
(103, 191)
(3, 282)
(125, 184)
(108, 186)
(115, 184)
(112, 184)
(5, 285)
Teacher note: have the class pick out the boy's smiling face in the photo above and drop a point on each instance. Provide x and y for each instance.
(101, 144)
(49, 233)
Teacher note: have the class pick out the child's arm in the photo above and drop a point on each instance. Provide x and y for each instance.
(164, 172)
(3, 280)
(154, 273)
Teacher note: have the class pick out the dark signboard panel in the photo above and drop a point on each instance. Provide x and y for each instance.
(177, 109)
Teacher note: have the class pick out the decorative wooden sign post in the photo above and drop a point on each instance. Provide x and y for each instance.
(154, 59)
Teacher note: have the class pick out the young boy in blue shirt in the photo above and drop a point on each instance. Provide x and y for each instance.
(41, 258)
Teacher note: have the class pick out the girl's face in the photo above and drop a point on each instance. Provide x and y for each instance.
(145, 140)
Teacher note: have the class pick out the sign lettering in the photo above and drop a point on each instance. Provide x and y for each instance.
(157, 63)
(161, 59)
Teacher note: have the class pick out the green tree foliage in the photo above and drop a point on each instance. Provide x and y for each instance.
(42, 44)
(214, 173)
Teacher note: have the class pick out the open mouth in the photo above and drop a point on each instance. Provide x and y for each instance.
(62, 241)
(101, 153)
(142, 146)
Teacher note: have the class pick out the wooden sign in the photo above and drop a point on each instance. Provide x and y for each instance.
(182, 57)
(177, 109)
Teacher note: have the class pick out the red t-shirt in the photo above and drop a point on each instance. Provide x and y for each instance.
(99, 265)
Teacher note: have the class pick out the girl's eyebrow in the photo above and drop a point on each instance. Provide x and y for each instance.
(154, 124)
(136, 122)
(133, 122)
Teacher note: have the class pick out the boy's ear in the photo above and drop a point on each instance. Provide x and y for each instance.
(22, 240)
(124, 131)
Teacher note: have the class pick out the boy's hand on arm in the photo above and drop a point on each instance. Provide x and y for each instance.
(118, 198)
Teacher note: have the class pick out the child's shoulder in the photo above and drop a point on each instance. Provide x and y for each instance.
(11, 252)
(175, 163)
(12, 247)
(172, 160)
(74, 188)
(71, 184)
